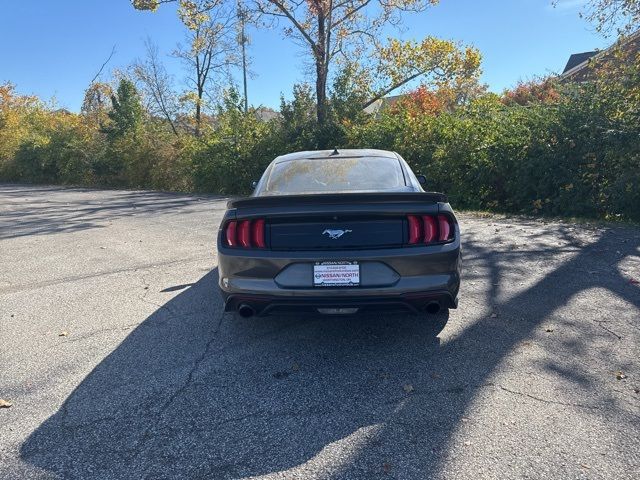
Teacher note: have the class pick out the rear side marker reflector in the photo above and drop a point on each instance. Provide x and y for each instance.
(245, 234)
(426, 229)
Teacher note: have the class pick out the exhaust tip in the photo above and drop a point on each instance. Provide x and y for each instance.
(246, 311)
(433, 307)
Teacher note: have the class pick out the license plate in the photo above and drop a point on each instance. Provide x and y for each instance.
(336, 274)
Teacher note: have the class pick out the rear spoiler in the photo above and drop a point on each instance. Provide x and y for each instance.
(338, 199)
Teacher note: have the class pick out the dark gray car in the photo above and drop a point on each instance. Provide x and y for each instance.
(339, 232)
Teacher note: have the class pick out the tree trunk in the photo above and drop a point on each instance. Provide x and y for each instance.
(321, 93)
(199, 111)
(322, 70)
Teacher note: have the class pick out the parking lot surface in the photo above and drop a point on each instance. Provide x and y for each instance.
(118, 361)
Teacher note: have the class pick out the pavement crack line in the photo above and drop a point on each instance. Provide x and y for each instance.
(544, 400)
(601, 325)
(143, 298)
(76, 278)
(136, 450)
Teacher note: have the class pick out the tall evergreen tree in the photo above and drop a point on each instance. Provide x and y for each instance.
(127, 111)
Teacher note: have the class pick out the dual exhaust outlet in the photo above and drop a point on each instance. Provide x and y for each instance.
(247, 311)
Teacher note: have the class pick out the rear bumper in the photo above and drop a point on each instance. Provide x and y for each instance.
(407, 303)
(402, 279)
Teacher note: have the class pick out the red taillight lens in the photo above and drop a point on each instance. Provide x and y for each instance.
(430, 229)
(444, 228)
(425, 229)
(231, 234)
(246, 233)
(243, 233)
(414, 229)
(257, 233)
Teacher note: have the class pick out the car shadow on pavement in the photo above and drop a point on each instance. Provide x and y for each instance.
(196, 393)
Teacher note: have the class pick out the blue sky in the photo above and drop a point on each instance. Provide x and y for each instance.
(54, 48)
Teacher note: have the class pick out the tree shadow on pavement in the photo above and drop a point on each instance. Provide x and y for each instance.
(48, 210)
(195, 393)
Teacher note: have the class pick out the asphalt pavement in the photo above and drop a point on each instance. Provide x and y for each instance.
(117, 360)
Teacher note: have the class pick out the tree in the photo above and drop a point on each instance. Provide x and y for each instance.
(621, 16)
(348, 30)
(97, 102)
(440, 63)
(209, 50)
(126, 114)
(538, 90)
(157, 85)
(332, 29)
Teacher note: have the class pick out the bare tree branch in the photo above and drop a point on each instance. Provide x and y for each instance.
(113, 51)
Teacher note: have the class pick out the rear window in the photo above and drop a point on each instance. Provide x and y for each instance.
(326, 175)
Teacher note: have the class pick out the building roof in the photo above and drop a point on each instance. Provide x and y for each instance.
(383, 103)
(578, 58)
(579, 61)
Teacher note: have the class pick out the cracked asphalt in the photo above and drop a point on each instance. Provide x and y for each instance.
(120, 363)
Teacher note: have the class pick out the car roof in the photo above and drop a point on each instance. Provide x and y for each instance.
(342, 153)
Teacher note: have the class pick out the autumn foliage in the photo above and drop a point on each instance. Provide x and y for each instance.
(543, 147)
(534, 91)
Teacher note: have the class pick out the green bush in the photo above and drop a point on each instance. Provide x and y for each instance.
(574, 151)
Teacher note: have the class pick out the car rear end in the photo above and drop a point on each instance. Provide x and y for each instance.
(339, 253)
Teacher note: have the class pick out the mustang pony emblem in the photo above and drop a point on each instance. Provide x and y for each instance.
(335, 234)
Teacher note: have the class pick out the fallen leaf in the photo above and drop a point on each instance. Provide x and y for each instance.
(549, 330)
(465, 419)
(467, 443)
(63, 334)
(295, 367)
(408, 388)
(620, 375)
(585, 466)
(633, 281)
(435, 376)
(5, 403)
(386, 467)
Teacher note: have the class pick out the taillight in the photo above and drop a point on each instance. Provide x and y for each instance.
(444, 228)
(430, 229)
(425, 229)
(414, 229)
(230, 233)
(245, 234)
(257, 233)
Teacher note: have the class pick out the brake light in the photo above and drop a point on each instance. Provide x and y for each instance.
(230, 234)
(414, 229)
(444, 228)
(245, 233)
(257, 233)
(430, 229)
(426, 229)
